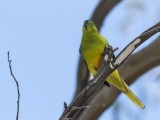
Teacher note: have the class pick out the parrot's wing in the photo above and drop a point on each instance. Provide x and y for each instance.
(83, 58)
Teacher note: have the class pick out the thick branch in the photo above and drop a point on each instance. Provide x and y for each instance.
(98, 81)
(17, 84)
(141, 62)
(102, 10)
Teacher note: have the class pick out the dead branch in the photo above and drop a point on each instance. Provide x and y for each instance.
(17, 84)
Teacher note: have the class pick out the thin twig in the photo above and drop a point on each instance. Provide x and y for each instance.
(65, 105)
(17, 84)
(83, 107)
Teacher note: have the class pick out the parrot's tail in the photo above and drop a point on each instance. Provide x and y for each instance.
(117, 81)
(133, 97)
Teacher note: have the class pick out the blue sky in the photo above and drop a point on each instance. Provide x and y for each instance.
(43, 38)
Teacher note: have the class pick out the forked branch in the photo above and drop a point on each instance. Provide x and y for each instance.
(86, 94)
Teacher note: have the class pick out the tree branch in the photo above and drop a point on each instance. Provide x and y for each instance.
(141, 62)
(102, 10)
(99, 79)
(17, 84)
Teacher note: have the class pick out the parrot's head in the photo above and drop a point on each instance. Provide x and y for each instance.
(89, 26)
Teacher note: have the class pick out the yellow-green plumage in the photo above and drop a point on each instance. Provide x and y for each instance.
(91, 49)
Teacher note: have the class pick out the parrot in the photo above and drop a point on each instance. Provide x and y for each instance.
(91, 50)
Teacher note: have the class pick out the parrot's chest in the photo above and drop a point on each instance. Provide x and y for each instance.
(93, 56)
(93, 53)
(93, 45)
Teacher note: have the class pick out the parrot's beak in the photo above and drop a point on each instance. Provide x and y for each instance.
(86, 24)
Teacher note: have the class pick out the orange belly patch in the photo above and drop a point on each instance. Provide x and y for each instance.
(98, 61)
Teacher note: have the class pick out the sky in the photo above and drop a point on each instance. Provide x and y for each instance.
(43, 38)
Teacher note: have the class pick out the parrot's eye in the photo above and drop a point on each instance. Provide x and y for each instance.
(92, 23)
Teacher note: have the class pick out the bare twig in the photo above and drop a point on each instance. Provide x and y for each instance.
(65, 105)
(83, 107)
(99, 79)
(17, 84)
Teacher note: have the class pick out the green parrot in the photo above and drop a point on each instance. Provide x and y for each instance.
(91, 50)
